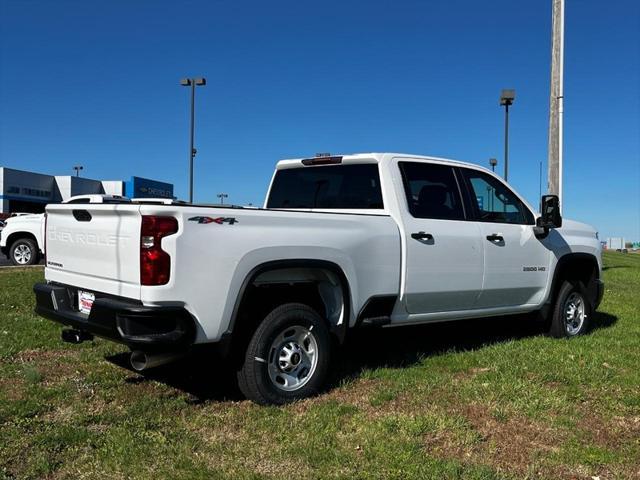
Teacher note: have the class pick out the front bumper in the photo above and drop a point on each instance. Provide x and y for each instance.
(121, 320)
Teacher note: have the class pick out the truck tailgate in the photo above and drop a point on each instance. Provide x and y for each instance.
(95, 246)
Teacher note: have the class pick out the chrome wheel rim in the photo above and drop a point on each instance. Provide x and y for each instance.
(293, 358)
(574, 313)
(22, 254)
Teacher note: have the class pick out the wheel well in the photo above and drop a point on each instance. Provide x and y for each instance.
(576, 267)
(18, 236)
(322, 287)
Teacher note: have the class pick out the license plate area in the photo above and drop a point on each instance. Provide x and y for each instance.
(85, 301)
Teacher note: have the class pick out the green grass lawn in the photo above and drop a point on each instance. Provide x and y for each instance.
(480, 399)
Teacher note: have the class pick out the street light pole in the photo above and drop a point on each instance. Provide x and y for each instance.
(192, 82)
(540, 182)
(493, 162)
(222, 196)
(77, 168)
(506, 142)
(192, 152)
(506, 99)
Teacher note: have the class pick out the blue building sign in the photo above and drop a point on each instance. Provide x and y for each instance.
(139, 187)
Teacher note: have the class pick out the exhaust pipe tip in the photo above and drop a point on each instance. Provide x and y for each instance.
(138, 361)
(142, 361)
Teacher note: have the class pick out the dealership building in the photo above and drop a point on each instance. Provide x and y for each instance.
(22, 191)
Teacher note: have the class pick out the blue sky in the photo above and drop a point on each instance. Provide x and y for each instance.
(96, 83)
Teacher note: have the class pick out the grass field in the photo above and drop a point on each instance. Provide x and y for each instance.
(479, 399)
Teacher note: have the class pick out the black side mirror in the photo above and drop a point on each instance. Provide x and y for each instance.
(549, 212)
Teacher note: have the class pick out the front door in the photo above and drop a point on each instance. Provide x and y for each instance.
(516, 263)
(444, 259)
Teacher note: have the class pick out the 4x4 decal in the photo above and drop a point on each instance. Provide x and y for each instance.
(218, 220)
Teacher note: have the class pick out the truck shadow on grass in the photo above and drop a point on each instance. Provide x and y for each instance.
(611, 267)
(404, 347)
(204, 377)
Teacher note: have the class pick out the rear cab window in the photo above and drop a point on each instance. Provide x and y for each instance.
(432, 191)
(348, 187)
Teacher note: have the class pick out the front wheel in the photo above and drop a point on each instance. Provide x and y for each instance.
(572, 311)
(24, 251)
(288, 356)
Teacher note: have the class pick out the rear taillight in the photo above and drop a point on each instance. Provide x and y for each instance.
(155, 263)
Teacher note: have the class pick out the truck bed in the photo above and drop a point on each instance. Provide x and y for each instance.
(96, 247)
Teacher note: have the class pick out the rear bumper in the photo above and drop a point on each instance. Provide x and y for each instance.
(124, 321)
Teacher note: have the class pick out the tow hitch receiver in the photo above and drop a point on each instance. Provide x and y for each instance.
(75, 336)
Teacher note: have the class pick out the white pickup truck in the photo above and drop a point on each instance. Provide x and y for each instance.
(342, 242)
(21, 240)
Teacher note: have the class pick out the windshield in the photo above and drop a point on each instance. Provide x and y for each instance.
(330, 186)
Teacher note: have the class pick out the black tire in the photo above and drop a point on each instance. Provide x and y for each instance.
(259, 378)
(20, 248)
(561, 324)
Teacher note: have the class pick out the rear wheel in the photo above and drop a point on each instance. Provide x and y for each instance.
(287, 357)
(24, 251)
(572, 311)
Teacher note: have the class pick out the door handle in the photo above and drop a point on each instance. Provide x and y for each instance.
(495, 237)
(422, 236)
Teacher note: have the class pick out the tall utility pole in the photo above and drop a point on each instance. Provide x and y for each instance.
(192, 82)
(556, 104)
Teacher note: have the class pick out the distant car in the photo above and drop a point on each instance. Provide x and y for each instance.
(21, 239)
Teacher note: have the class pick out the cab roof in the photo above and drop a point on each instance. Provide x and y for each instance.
(354, 158)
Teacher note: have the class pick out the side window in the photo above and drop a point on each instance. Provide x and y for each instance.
(493, 201)
(432, 191)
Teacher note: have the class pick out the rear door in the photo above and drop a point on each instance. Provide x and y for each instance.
(444, 259)
(95, 246)
(516, 263)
